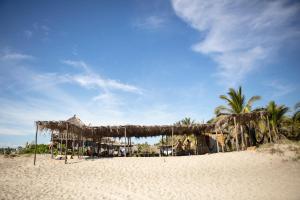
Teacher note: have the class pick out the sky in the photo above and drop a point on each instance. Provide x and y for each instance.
(141, 62)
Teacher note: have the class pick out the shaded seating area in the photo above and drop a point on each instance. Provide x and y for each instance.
(93, 140)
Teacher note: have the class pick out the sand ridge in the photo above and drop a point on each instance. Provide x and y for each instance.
(235, 175)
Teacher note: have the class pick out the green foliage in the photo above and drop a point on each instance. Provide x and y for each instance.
(143, 148)
(236, 102)
(41, 149)
(276, 113)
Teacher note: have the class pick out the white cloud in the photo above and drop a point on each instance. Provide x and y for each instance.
(89, 79)
(279, 89)
(150, 22)
(13, 56)
(76, 64)
(238, 34)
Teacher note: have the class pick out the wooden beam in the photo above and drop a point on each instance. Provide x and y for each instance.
(60, 143)
(217, 141)
(52, 144)
(36, 133)
(66, 148)
(125, 142)
(268, 124)
(242, 134)
(236, 135)
(172, 141)
(222, 140)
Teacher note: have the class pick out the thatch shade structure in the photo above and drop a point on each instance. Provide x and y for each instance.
(241, 118)
(137, 131)
(75, 129)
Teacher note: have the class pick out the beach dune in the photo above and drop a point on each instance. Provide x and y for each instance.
(235, 175)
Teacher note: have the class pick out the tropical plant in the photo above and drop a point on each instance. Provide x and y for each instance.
(296, 115)
(236, 103)
(276, 114)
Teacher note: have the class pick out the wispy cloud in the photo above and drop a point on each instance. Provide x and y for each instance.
(14, 56)
(89, 79)
(28, 34)
(38, 29)
(238, 34)
(76, 64)
(280, 89)
(43, 96)
(150, 23)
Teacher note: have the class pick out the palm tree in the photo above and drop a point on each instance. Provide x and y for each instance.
(236, 104)
(295, 117)
(187, 121)
(276, 114)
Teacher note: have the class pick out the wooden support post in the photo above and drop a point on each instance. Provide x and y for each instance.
(66, 148)
(196, 144)
(223, 140)
(217, 141)
(172, 141)
(82, 148)
(242, 134)
(125, 142)
(52, 144)
(78, 144)
(36, 133)
(60, 150)
(73, 144)
(167, 145)
(100, 147)
(268, 124)
(161, 146)
(236, 135)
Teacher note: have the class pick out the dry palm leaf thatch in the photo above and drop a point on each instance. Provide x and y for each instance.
(241, 118)
(76, 127)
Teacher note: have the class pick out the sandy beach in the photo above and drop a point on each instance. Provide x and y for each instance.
(236, 175)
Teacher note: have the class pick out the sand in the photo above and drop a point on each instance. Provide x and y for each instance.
(235, 175)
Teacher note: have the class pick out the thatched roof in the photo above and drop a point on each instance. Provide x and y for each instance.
(76, 121)
(240, 118)
(119, 131)
(78, 129)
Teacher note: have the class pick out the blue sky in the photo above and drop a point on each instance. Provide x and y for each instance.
(140, 62)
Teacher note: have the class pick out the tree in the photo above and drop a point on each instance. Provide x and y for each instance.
(236, 103)
(296, 115)
(276, 114)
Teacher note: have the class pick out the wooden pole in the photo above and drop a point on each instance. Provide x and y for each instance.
(242, 134)
(100, 147)
(268, 124)
(172, 141)
(167, 145)
(73, 144)
(36, 133)
(60, 143)
(222, 140)
(78, 144)
(66, 148)
(236, 135)
(125, 142)
(52, 144)
(82, 148)
(217, 142)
